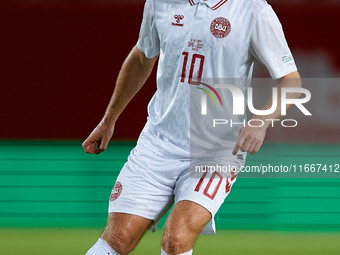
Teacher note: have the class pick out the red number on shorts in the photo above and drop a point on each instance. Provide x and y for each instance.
(205, 192)
(192, 66)
(200, 182)
(229, 182)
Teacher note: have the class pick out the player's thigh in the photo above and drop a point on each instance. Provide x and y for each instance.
(184, 223)
(123, 231)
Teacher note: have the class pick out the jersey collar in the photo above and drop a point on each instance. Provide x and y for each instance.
(213, 4)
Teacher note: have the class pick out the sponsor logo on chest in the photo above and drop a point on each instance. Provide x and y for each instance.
(178, 19)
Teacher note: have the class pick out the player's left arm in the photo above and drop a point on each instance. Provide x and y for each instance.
(251, 138)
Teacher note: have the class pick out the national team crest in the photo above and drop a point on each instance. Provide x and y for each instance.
(220, 27)
(116, 191)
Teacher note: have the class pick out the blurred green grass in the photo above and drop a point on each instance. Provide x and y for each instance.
(67, 241)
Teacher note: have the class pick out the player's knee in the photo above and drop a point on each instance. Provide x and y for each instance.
(175, 242)
(122, 242)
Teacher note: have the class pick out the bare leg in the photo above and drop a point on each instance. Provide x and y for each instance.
(124, 231)
(185, 222)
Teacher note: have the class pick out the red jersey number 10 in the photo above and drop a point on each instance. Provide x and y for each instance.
(195, 58)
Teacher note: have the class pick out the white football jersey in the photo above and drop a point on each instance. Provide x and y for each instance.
(200, 40)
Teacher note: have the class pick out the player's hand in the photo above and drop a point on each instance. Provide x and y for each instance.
(250, 139)
(99, 138)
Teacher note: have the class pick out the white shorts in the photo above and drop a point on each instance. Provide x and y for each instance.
(151, 181)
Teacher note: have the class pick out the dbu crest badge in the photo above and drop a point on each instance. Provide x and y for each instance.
(116, 191)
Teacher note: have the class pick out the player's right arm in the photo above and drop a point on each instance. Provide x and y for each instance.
(134, 72)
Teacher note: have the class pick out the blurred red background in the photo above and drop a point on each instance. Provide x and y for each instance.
(59, 62)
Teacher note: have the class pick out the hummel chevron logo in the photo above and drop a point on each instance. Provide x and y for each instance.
(178, 20)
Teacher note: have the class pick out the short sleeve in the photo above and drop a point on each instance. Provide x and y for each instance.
(269, 44)
(148, 41)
